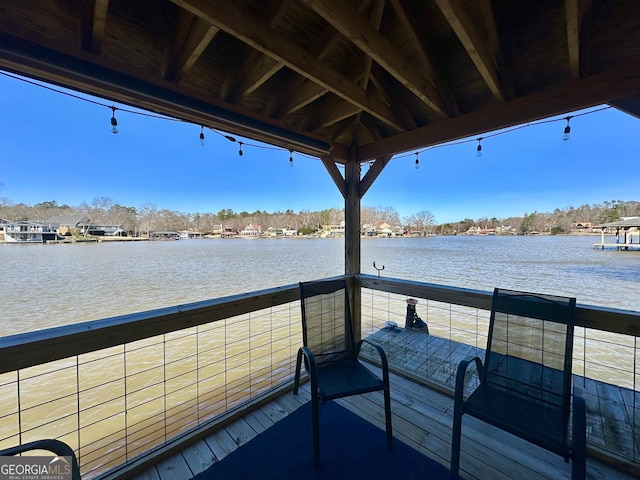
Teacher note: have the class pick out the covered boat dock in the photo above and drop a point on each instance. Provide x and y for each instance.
(625, 231)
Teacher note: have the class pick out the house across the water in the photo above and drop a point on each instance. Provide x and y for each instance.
(29, 232)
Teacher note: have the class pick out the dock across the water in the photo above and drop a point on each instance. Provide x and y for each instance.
(617, 246)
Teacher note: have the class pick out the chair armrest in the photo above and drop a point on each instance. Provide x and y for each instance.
(61, 449)
(310, 367)
(383, 357)
(462, 370)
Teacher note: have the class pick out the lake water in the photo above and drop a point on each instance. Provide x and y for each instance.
(50, 285)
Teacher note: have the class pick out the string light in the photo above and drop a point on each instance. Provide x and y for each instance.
(567, 130)
(291, 158)
(417, 161)
(202, 135)
(115, 130)
(114, 122)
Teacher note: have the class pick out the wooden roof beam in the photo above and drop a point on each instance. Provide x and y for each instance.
(466, 31)
(599, 89)
(93, 17)
(355, 28)
(190, 37)
(242, 25)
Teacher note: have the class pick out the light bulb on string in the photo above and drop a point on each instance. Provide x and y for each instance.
(240, 153)
(417, 161)
(114, 122)
(202, 135)
(479, 148)
(567, 130)
(291, 158)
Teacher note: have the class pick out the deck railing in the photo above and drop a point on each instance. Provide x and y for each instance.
(116, 388)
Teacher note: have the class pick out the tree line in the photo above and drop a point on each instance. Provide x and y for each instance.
(147, 217)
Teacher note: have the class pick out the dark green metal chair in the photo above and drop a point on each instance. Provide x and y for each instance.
(525, 382)
(61, 449)
(331, 355)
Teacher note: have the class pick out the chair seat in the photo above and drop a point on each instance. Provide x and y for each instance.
(339, 379)
(538, 422)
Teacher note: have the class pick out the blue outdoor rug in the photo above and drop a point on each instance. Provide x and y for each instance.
(350, 447)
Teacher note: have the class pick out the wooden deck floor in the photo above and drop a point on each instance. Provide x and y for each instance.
(611, 409)
(421, 419)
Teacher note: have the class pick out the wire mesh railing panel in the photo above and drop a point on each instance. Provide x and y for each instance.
(114, 404)
(433, 354)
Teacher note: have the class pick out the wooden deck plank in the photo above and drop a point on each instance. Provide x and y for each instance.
(174, 467)
(241, 432)
(221, 443)
(198, 456)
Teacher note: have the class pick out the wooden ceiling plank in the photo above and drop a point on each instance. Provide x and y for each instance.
(239, 23)
(190, 37)
(463, 27)
(603, 88)
(354, 27)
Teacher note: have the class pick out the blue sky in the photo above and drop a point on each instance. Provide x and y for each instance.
(56, 147)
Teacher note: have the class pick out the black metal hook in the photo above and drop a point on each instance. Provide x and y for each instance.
(378, 269)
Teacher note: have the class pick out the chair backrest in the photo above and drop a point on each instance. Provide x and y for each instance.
(530, 347)
(326, 320)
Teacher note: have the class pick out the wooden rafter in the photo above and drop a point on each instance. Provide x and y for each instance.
(297, 92)
(472, 41)
(242, 25)
(493, 42)
(191, 36)
(93, 17)
(354, 27)
(256, 68)
(572, 15)
(425, 60)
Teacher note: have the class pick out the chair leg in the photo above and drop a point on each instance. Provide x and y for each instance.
(316, 430)
(387, 417)
(455, 440)
(579, 436)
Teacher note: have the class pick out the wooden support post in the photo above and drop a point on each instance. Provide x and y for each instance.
(352, 262)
